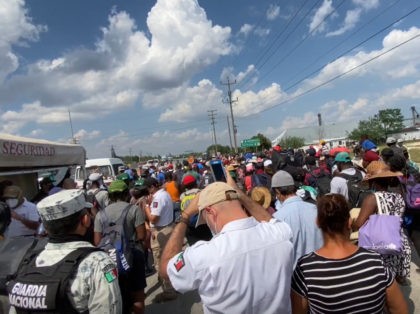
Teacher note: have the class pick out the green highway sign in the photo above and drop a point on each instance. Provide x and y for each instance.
(253, 142)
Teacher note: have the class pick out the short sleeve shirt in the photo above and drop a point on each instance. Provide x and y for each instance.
(359, 280)
(16, 228)
(135, 218)
(231, 273)
(163, 207)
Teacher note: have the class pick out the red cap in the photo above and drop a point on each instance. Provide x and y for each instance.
(277, 148)
(188, 179)
(370, 156)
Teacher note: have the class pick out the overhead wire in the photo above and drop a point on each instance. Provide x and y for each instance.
(303, 40)
(352, 48)
(340, 75)
(290, 20)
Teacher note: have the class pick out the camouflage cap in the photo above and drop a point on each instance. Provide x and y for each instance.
(62, 204)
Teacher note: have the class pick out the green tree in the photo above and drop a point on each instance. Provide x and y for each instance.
(265, 141)
(391, 121)
(292, 142)
(219, 148)
(378, 127)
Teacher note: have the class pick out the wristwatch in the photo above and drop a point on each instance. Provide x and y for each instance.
(183, 219)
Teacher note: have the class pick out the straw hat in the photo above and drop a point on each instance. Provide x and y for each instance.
(378, 169)
(262, 196)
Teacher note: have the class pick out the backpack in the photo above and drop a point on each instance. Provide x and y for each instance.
(44, 289)
(184, 204)
(115, 242)
(412, 193)
(321, 182)
(355, 187)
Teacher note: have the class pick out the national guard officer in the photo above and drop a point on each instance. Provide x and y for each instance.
(69, 275)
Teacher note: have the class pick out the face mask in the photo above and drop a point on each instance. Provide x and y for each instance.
(12, 202)
(213, 233)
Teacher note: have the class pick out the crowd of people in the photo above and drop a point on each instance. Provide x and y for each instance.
(274, 237)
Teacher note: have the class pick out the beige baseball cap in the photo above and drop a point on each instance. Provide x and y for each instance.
(214, 193)
(62, 204)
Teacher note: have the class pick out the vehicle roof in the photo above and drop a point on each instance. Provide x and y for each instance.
(103, 161)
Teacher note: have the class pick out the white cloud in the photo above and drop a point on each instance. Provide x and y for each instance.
(125, 65)
(309, 118)
(273, 12)
(246, 29)
(229, 73)
(262, 32)
(16, 29)
(317, 20)
(401, 62)
(192, 103)
(352, 17)
(82, 134)
(251, 102)
(367, 4)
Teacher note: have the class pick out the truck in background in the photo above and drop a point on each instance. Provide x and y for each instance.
(108, 167)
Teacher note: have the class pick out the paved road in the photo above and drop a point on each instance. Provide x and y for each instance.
(190, 302)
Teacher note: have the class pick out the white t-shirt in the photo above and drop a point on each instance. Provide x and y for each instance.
(246, 268)
(16, 228)
(163, 207)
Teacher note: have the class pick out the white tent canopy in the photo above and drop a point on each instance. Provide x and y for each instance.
(22, 152)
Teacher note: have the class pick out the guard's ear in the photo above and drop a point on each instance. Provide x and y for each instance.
(86, 219)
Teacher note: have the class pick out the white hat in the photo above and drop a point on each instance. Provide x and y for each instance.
(400, 140)
(62, 204)
(95, 176)
(267, 162)
(391, 140)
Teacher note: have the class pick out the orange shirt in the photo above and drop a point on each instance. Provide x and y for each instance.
(172, 190)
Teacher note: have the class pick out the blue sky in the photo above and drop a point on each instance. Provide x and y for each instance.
(141, 75)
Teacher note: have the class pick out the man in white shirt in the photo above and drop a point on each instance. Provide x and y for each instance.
(347, 171)
(231, 271)
(25, 218)
(160, 213)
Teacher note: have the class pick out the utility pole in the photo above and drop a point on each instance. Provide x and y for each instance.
(230, 101)
(212, 114)
(73, 140)
(230, 134)
(415, 115)
(321, 128)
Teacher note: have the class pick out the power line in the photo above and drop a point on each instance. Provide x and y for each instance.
(311, 63)
(339, 75)
(303, 40)
(354, 47)
(290, 20)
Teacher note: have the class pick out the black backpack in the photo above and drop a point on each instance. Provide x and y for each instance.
(356, 188)
(44, 289)
(115, 242)
(321, 182)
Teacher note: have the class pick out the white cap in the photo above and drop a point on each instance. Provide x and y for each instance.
(391, 140)
(62, 204)
(95, 176)
(267, 162)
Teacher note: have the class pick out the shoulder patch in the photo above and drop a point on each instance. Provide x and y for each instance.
(155, 204)
(179, 263)
(110, 272)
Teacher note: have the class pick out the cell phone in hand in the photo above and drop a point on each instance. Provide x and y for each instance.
(218, 170)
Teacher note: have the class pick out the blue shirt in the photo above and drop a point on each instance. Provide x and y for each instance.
(301, 217)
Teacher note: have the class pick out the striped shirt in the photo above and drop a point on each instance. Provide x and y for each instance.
(355, 284)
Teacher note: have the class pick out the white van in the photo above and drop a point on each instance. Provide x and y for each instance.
(108, 167)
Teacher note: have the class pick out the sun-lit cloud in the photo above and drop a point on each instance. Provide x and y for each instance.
(273, 12)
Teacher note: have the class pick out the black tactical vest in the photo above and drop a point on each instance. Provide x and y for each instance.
(44, 289)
